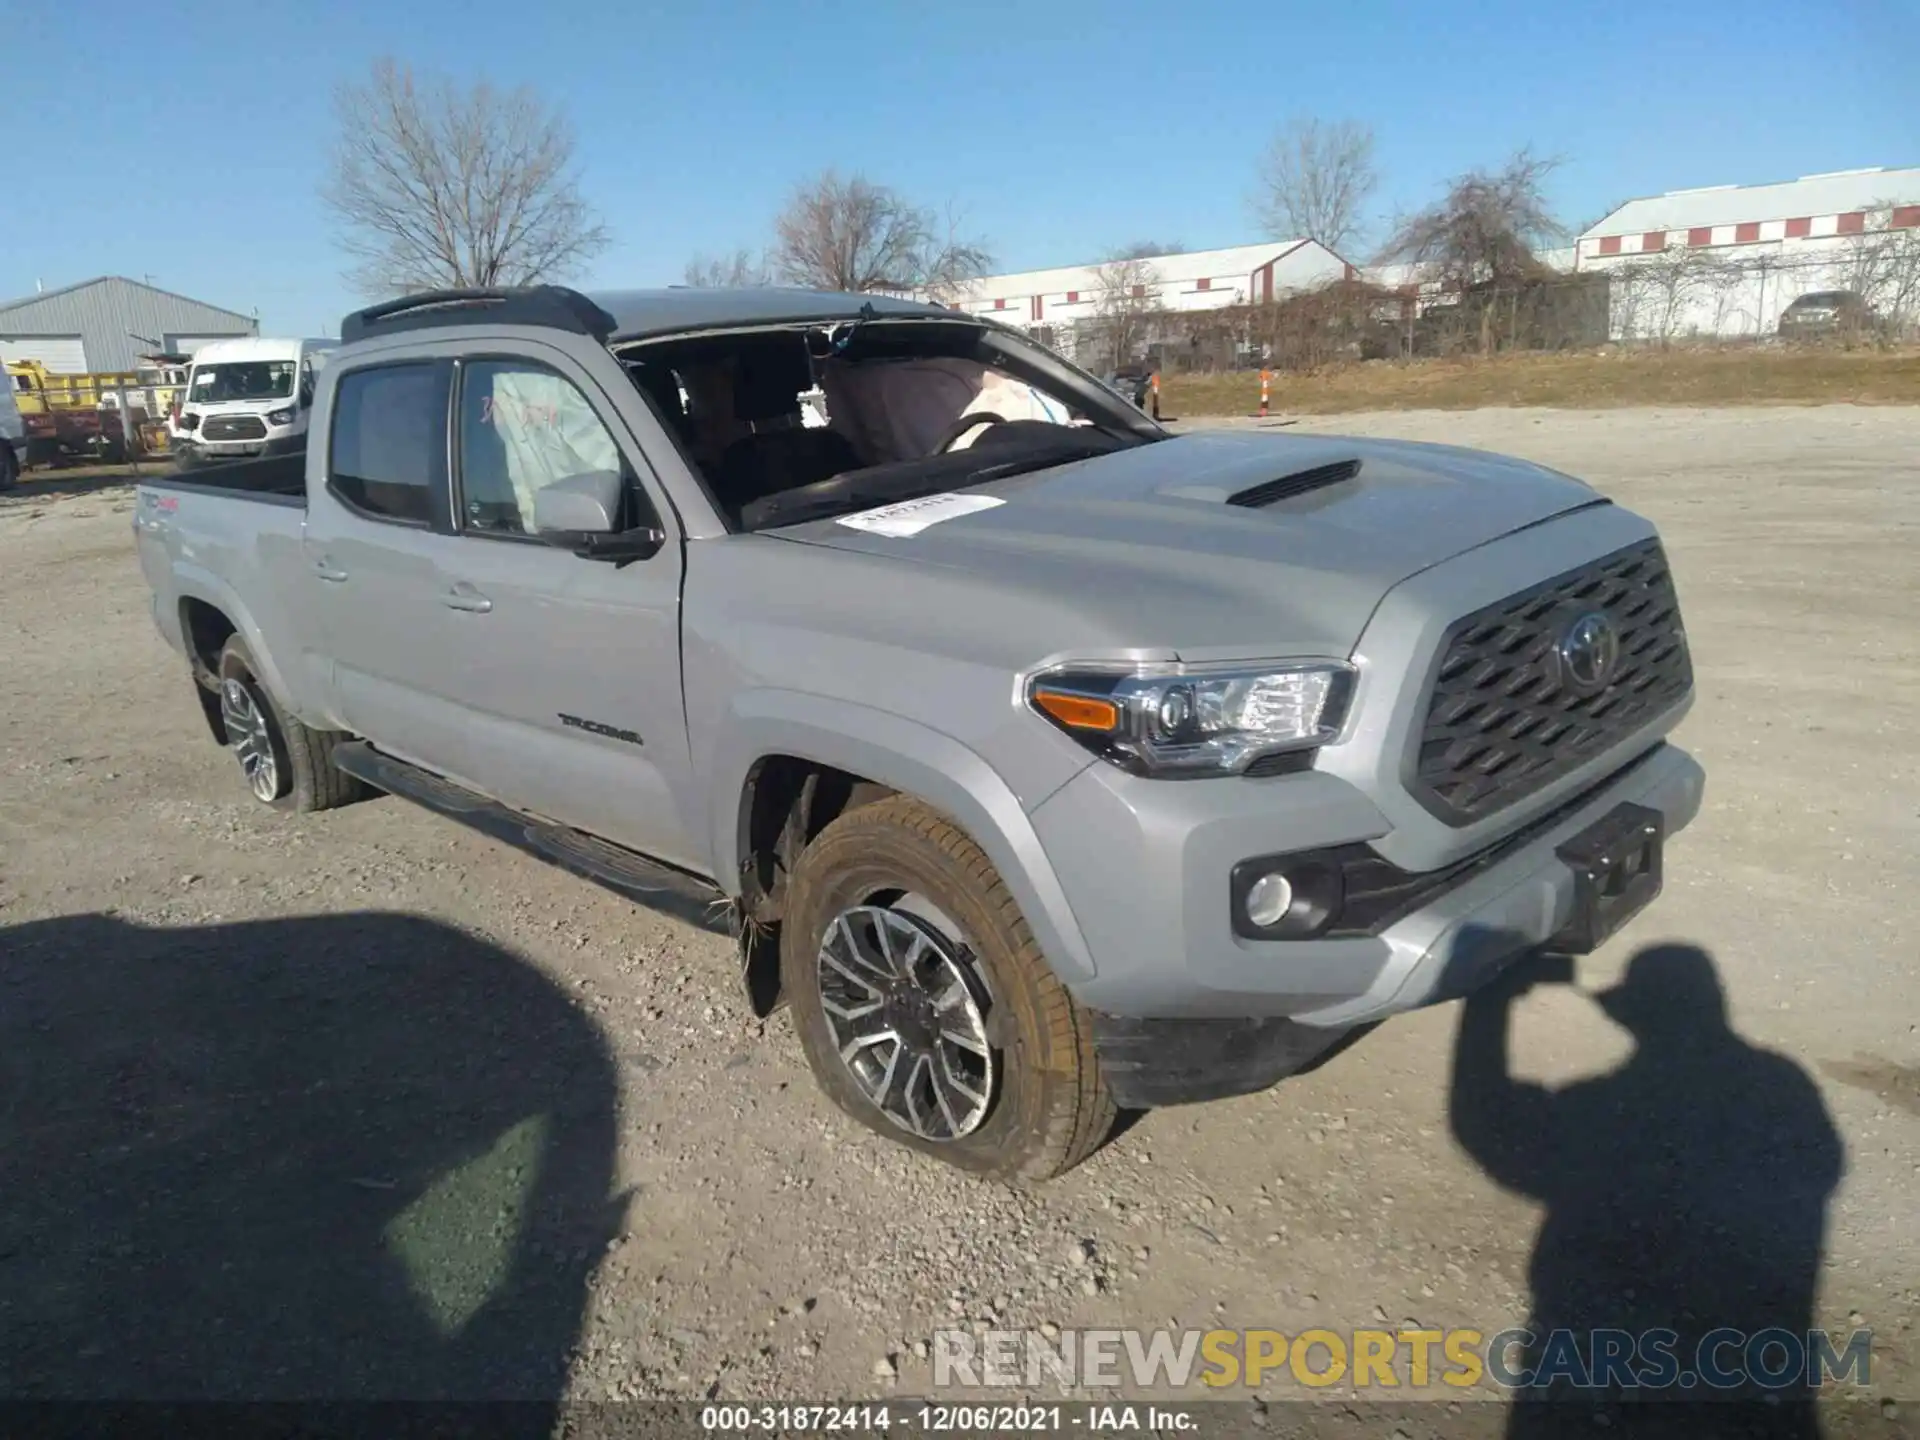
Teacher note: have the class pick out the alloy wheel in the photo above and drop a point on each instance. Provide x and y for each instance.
(251, 740)
(907, 1014)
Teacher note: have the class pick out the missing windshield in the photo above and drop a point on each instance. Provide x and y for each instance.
(797, 422)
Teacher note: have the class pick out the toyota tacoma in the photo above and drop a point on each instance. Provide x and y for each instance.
(1045, 761)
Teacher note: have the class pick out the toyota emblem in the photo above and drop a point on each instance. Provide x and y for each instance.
(1589, 650)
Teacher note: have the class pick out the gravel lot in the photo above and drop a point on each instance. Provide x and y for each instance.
(361, 1103)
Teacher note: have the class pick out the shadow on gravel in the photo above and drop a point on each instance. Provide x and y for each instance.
(340, 1157)
(48, 485)
(1684, 1191)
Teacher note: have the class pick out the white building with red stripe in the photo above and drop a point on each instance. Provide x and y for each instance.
(1051, 302)
(1742, 253)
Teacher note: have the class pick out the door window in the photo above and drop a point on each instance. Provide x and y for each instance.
(387, 450)
(523, 427)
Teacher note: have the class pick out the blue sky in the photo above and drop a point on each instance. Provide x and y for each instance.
(188, 146)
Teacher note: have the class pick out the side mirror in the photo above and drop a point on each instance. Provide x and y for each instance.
(578, 505)
(581, 513)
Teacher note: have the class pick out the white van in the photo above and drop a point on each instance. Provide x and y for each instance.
(13, 435)
(247, 397)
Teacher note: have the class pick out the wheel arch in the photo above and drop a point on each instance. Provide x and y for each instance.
(204, 629)
(209, 613)
(792, 761)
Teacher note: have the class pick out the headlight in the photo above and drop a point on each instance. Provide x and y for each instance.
(1195, 720)
(280, 417)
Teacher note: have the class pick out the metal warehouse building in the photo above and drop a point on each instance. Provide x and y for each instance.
(105, 324)
(1726, 260)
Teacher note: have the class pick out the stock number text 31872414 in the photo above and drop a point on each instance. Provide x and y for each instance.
(934, 1419)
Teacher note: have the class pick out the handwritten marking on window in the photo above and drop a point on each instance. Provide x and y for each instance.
(522, 414)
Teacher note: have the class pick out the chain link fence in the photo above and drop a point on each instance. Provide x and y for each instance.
(1690, 296)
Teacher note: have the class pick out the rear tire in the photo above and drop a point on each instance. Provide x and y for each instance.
(287, 765)
(1028, 1103)
(9, 467)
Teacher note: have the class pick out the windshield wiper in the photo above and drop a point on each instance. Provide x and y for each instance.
(773, 511)
(1026, 464)
(913, 480)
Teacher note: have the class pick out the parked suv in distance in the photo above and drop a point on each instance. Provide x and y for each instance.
(1826, 313)
(1047, 762)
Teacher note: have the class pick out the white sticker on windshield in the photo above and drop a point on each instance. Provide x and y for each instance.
(910, 517)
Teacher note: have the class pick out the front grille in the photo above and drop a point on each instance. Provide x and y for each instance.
(233, 427)
(1507, 718)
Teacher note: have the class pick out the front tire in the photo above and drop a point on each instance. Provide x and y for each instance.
(923, 1003)
(9, 467)
(286, 764)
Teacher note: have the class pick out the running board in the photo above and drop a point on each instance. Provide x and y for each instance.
(624, 871)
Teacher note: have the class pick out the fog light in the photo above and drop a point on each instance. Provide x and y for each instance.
(1268, 900)
(1285, 897)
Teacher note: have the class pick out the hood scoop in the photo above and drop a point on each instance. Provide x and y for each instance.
(1272, 492)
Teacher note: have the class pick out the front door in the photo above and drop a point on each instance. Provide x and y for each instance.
(568, 669)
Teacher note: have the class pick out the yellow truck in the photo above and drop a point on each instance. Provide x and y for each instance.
(77, 417)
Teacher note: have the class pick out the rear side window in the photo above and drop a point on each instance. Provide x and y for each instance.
(387, 451)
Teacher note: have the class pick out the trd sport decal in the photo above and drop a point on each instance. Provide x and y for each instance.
(612, 732)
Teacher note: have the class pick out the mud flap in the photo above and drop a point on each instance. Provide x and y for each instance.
(758, 946)
(1150, 1063)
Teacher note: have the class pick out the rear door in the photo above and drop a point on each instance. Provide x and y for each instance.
(567, 670)
(373, 547)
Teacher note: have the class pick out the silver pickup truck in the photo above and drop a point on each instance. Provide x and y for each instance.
(1046, 762)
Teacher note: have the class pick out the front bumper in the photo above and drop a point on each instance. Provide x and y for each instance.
(1152, 897)
(189, 450)
(1173, 1040)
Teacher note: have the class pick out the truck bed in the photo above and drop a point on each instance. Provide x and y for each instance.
(272, 479)
(229, 537)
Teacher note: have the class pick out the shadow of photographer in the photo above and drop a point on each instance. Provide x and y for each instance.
(1685, 1190)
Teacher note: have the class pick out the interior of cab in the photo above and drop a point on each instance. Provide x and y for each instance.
(793, 419)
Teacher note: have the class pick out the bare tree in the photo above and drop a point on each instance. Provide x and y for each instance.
(1662, 288)
(1315, 181)
(1724, 279)
(1882, 266)
(1127, 295)
(740, 270)
(435, 185)
(1485, 228)
(850, 234)
(1147, 250)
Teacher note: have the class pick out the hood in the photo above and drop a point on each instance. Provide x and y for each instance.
(1144, 549)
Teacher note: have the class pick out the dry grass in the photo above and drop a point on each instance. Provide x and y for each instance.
(1585, 381)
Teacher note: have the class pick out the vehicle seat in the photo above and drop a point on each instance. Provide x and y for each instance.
(783, 454)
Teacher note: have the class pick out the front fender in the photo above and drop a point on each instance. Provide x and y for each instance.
(908, 757)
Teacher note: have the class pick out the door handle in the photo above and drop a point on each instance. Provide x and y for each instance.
(464, 597)
(324, 568)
